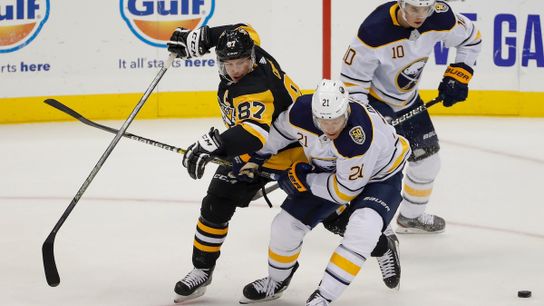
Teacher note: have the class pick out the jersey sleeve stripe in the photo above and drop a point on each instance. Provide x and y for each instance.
(469, 37)
(354, 79)
(402, 156)
(339, 194)
(256, 131)
(329, 190)
(279, 132)
(351, 190)
(474, 44)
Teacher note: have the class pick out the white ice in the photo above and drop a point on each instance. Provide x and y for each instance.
(129, 239)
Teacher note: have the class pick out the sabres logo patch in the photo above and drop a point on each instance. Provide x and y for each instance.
(357, 135)
(441, 7)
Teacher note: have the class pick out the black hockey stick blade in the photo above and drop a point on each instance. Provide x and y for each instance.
(268, 189)
(63, 108)
(49, 265)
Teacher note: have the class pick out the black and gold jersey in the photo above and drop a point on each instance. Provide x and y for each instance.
(249, 106)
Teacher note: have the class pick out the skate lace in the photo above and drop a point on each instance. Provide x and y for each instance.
(317, 300)
(426, 219)
(195, 277)
(387, 264)
(266, 285)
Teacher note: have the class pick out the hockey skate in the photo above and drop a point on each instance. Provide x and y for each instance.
(424, 224)
(193, 285)
(316, 299)
(265, 289)
(390, 262)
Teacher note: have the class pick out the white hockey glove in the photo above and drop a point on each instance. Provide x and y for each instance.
(186, 44)
(199, 154)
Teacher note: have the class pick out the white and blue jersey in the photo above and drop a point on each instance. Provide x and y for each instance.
(367, 150)
(386, 60)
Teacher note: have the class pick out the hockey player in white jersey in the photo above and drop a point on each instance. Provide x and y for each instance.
(383, 66)
(355, 157)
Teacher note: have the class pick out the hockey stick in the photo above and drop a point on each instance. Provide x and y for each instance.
(51, 272)
(416, 111)
(65, 109)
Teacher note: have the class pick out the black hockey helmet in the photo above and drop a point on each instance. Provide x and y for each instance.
(234, 44)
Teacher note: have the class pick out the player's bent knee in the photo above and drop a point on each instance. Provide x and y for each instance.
(363, 231)
(287, 232)
(424, 170)
(217, 209)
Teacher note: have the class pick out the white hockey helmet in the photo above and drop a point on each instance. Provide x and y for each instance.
(330, 101)
(418, 3)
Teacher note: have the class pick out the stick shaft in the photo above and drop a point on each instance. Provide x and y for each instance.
(51, 272)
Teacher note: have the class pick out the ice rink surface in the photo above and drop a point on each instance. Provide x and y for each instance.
(129, 239)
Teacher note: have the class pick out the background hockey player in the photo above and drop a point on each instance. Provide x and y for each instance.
(355, 156)
(252, 92)
(383, 65)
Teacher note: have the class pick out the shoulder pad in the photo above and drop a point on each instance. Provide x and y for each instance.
(301, 116)
(381, 26)
(443, 18)
(255, 82)
(357, 136)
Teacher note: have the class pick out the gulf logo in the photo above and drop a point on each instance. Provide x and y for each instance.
(153, 21)
(20, 22)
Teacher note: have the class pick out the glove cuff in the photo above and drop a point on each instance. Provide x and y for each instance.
(211, 141)
(460, 72)
(258, 159)
(294, 178)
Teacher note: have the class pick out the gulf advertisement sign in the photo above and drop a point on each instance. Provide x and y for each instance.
(20, 22)
(153, 21)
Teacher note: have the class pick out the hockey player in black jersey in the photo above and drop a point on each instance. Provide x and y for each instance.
(252, 92)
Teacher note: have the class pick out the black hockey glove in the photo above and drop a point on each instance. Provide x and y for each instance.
(337, 221)
(186, 44)
(248, 172)
(293, 181)
(454, 85)
(200, 153)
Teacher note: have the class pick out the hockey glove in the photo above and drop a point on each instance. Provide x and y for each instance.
(293, 181)
(337, 221)
(186, 44)
(200, 153)
(454, 85)
(248, 172)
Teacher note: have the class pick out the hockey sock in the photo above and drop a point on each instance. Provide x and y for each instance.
(362, 234)
(207, 244)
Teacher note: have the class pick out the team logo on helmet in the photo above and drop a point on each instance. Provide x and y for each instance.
(358, 135)
(153, 21)
(20, 22)
(409, 76)
(441, 7)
